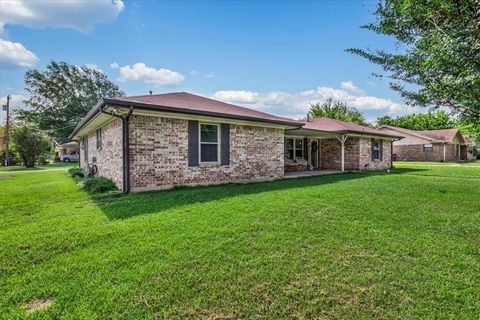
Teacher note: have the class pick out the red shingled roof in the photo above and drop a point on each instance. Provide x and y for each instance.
(433, 135)
(191, 103)
(444, 134)
(338, 126)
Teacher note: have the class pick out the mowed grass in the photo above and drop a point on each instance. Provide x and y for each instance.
(51, 166)
(404, 244)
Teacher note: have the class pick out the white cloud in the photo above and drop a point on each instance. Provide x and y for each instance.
(237, 96)
(14, 54)
(16, 102)
(158, 77)
(349, 86)
(114, 65)
(296, 104)
(209, 75)
(194, 72)
(75, 14)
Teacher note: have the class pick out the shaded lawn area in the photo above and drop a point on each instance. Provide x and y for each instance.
(50, 166)
(361, 245)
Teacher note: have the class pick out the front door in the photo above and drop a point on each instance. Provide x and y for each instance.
(314, 153)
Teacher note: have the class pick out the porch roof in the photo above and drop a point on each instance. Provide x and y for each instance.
(331, 127)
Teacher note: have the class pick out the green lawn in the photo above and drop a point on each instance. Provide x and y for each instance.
(367, 245)
(58, 165)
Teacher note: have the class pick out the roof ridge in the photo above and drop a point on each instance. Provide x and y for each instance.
(409, 131)
(447, 129)
(208, 98)
(149, 95)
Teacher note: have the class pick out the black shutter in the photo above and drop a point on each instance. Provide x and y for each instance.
(372, 156)
(305, 148)
(192, 143)
(381, 149)
(225, 144)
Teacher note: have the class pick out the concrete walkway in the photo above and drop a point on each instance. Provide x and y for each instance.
(301, 174)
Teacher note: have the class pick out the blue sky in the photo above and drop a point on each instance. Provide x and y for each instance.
(271, 56)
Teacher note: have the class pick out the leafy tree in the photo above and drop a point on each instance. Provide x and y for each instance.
(423, 121)
(438, 61)
(30, 144)
(336, 110)
(62, 95)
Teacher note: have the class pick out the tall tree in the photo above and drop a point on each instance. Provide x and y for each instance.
(438, 61)
(62, 95)
(336, 110)
(30, 143)
(423, 121)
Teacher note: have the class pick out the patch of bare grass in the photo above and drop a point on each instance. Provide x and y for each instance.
(38, 304)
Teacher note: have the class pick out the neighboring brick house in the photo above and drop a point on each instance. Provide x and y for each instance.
(429, 145)
(467, 151)
(159, 141)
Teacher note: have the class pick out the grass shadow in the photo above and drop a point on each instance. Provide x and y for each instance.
(126, 206)
(59, 165)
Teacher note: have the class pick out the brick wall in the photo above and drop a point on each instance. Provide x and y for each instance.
(357, 154)
(331, 154)
(109, 158)
(365, 159)
(414, 152)
(159, 155)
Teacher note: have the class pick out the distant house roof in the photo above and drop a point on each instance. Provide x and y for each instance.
(69, 144)
(183, 102)
(445, 135)
(337, 126)
(468, 141)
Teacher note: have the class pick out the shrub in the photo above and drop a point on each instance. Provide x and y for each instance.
(30, 143)
(76, 173)
(98, 185)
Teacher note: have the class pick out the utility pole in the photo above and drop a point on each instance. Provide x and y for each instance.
(6, 136)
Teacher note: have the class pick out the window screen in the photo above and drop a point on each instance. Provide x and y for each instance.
(208, 143)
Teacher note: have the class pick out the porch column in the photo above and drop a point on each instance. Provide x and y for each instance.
(309, 152)
(342, 141)
(444, 153)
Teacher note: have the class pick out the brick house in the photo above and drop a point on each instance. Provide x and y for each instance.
(159, 141)
(429, 145)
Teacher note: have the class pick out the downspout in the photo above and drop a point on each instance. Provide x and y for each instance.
(125, 148)
(126, 155)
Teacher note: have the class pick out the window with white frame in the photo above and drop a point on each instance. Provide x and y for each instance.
(428, 147)
(456, 150)
(376, 149)
(209, 142)
(293, 148)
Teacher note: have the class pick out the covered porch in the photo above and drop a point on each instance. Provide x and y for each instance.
(304, 155)
(331, 144)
